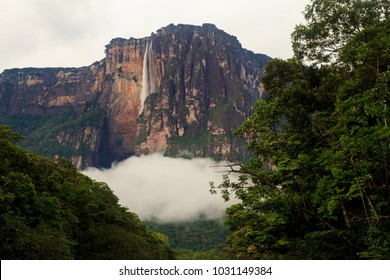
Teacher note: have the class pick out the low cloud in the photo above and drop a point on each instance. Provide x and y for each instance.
(166, 189)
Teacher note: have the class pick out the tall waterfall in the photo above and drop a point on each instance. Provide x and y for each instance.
(148, 82)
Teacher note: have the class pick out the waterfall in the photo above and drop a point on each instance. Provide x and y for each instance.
(152, 84)
(148, 82)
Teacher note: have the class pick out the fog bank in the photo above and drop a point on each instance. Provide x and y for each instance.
(166, 189)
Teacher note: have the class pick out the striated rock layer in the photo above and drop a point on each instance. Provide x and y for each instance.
(181, 91)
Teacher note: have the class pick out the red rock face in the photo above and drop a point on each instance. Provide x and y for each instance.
(207, 85)
(121, 100)
(180, 91)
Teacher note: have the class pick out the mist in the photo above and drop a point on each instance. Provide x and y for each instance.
(165, 189)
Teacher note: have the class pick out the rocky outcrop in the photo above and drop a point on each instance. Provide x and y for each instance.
(181, 91)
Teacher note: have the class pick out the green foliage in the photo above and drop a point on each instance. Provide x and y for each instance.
(198, 235)
(331, 24)
(213, 254)
(194, 240)
(50, 211)
(317, 186)
(57, 135)
(189, 142)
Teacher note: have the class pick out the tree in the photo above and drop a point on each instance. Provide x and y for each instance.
(317, 186)
(333, 23)
(48, 210)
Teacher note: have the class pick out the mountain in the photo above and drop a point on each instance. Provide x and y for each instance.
(180, 91)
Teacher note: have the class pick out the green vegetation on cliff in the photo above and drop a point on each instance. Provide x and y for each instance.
(48, 210)
(67, 134)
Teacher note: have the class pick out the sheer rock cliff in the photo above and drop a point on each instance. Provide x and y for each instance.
(180, 91)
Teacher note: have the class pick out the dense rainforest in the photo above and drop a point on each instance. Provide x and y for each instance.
(318, 184)
(195, 239)
(48, 210)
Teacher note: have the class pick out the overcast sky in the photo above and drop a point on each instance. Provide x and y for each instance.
(41, 33)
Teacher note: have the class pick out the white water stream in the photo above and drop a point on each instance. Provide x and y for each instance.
(148, 81)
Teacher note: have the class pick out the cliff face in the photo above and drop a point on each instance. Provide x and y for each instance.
(181, 91)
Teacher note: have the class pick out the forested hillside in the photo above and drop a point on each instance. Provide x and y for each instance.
(318, 185)
(202, 238)
(48, 210)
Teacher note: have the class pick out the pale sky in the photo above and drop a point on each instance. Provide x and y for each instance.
(51, 33)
